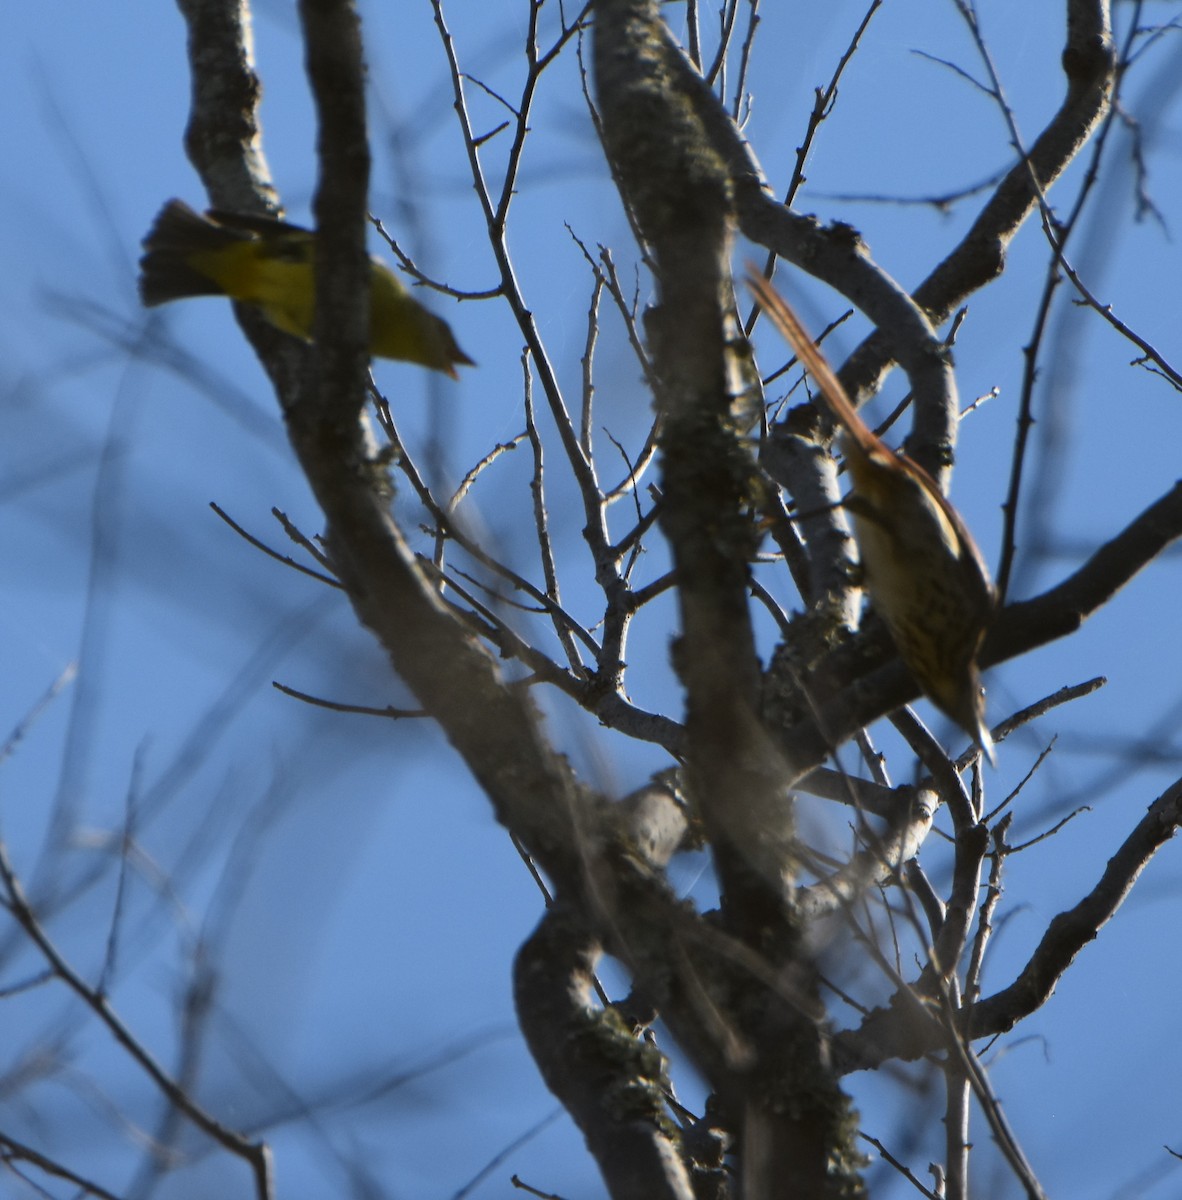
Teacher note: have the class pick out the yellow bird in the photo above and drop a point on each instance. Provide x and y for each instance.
(270, 264)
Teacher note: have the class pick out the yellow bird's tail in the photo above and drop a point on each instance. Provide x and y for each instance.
(166, 270)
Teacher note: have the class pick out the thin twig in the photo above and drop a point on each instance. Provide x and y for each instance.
(465, 484)
(256, 1154)
(11, 1150)
(285, 559)
(902, 1168)
(40, 707)
(562, 629)
(364, 710)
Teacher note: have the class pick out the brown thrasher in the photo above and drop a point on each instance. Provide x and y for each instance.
(925, 575)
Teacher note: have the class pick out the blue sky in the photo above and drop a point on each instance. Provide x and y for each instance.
(359, 903)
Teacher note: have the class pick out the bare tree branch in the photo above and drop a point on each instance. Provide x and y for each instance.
(908, 1030)
(610, 1082)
